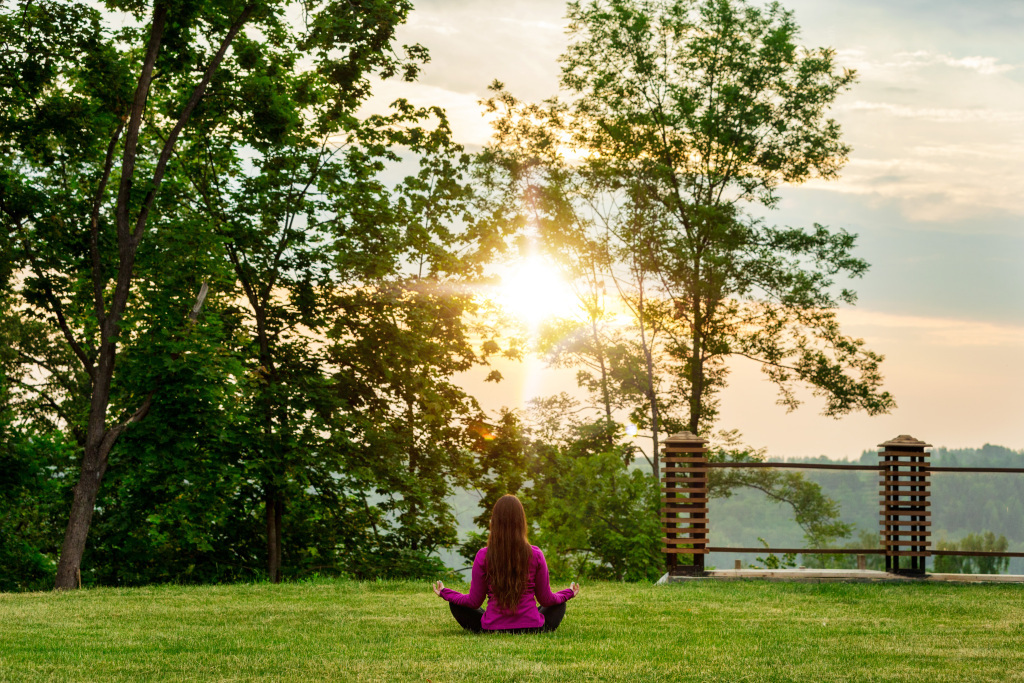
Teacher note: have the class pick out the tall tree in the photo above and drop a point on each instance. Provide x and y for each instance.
(91, 118)
(692, 112)
(399, 335)
(680, 120)
(316, 239)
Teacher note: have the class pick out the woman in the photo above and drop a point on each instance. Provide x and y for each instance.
(510, 573)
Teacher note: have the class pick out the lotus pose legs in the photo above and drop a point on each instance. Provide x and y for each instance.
(513, 576)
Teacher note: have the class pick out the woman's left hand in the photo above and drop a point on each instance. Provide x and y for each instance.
(438, 587)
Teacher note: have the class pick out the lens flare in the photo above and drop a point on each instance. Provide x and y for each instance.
(534, 292)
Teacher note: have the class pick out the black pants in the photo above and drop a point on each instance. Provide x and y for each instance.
(469, 619)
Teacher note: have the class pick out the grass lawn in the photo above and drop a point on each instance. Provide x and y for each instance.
(751, 631)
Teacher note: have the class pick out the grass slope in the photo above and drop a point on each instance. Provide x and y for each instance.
(388, 631)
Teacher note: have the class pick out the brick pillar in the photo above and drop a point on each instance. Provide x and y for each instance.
(684, 515)
(906, 503)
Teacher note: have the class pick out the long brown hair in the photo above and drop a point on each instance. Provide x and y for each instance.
(508, 553)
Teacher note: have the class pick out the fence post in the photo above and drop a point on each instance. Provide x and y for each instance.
(905, 502)
(684, 515)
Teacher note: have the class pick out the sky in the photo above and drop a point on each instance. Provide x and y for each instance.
(934, 189)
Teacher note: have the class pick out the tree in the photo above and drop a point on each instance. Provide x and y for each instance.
(525, 168)
(681, 118)
(31, 501)
(92, 117)
(592, 512)
(978, 564)
(596, 515)
(815, 513)
(693, 111)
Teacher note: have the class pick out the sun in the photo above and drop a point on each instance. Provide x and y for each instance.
(533, 292)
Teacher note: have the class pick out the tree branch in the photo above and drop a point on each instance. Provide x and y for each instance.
(45, 396)
(186, 113)
(58, 310)
(54, 375)
(94, 229)
(131, 141)
(765, 362)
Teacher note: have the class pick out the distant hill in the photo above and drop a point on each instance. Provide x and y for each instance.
(962, 503)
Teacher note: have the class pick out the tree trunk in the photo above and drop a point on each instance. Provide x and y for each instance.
(604, 380)
(100, 439)
(652, 396)
(278, 514)
(77, 532)
(273, 515)
(655, 416)
(599, 347)
(98, 442)
(696, 368)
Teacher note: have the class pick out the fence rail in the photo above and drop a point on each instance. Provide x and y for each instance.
(858, 551)
(904, 495)
(868, 468)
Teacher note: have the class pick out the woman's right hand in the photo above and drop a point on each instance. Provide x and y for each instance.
(575, 588)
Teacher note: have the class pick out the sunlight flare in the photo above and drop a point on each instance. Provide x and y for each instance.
(533, 291)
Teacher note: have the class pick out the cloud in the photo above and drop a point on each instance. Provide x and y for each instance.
(915, 66)
(935, 331)
(942, 114)
(983, 65)
(938, 185)
(472, 43)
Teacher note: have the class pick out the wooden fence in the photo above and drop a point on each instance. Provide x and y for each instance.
(905, 504)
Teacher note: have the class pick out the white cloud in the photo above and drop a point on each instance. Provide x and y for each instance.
(942, 114)
(1010, 149)
(952, 189)
(983, 65)
(899, 65)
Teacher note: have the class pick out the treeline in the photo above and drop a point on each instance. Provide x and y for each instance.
(301, 416)
(963, 505)
(229, 332)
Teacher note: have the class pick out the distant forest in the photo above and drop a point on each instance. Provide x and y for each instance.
(962, 504)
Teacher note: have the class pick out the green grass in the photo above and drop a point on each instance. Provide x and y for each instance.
(751, 631)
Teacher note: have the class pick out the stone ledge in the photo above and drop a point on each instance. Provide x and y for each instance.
(839, 576)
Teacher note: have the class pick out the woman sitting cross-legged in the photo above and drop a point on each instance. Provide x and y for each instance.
(511, 573)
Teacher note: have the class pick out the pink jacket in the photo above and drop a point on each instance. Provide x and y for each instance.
(526, 615)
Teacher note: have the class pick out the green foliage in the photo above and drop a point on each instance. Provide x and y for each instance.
(680, 121)
(591, 513)
(597, 518)
(773, 561)
(32, 458)
(978, 564)
(316, 384)
(502, 467)
(30, 505)
(471, 545)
